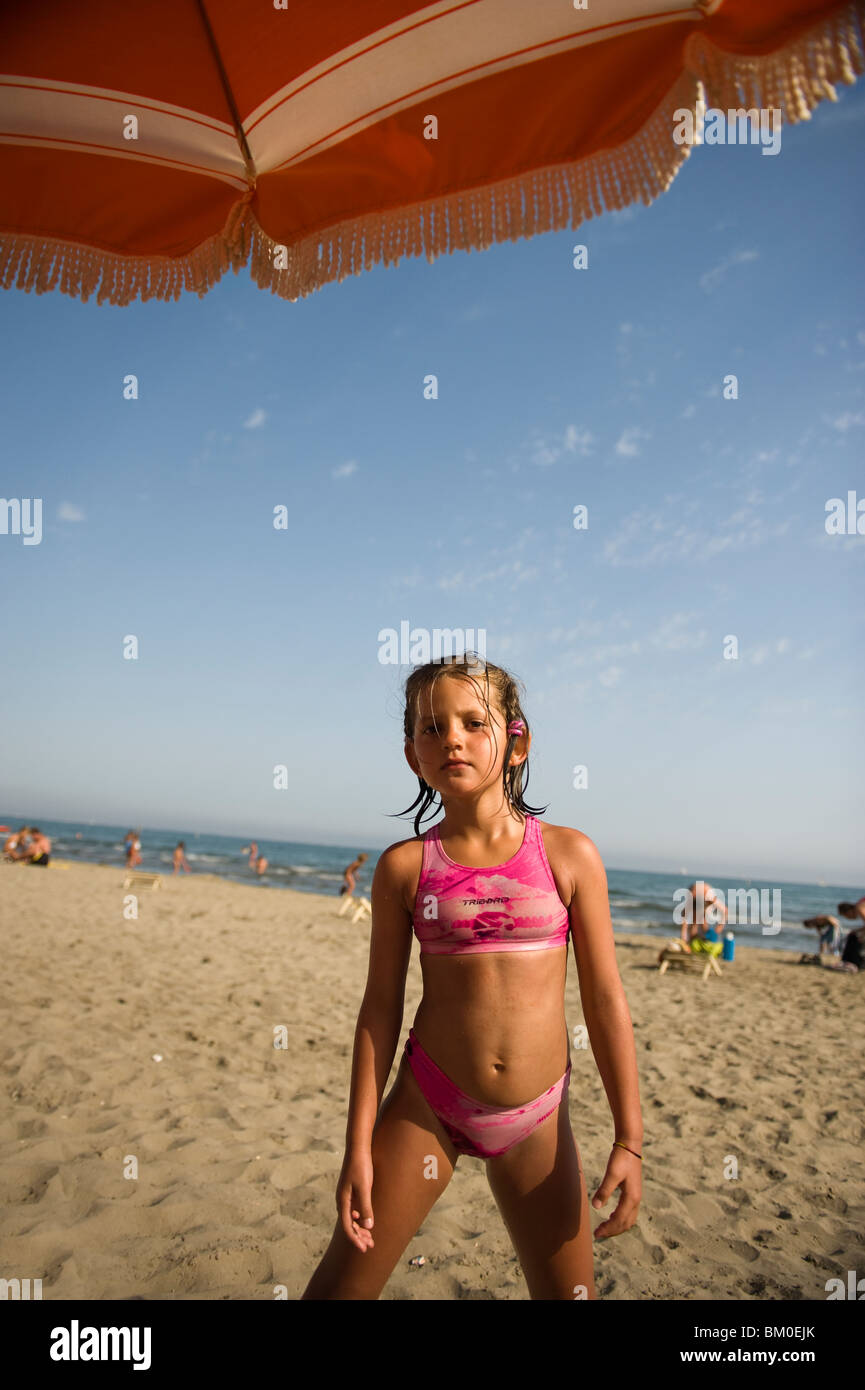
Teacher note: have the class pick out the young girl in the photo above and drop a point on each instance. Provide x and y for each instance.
(179, 857)
(493, 895)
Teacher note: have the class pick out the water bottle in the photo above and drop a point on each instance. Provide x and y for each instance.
(729, 946)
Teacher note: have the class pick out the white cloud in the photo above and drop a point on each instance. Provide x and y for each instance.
(676, 633)
(646, 537)
(611, 676)
(578, 441)
(689, 412)
(712, 278)
(69, 511)
(344, 470)
(510, 574)
(574, 441)
(628, 445)
(844, 422)
(256, 419)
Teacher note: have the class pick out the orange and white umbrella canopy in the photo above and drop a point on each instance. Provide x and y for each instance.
(144, 151)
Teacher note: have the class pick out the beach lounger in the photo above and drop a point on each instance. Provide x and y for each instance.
(676, 955)
(362, 906)
(134, 880)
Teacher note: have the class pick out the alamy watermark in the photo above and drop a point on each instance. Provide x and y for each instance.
(21, 516)
(711, 126)
(413, 646)
(748, 905)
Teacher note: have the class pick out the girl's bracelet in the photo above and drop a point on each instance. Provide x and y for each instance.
(630, 1151)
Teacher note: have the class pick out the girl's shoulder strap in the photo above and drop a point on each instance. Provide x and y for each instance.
(430, 838)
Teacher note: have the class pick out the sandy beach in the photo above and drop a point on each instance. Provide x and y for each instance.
(238, 1144)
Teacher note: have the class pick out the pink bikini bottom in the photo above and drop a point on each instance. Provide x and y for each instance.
(484, 1131)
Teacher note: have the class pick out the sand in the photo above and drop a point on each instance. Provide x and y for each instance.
(238, 1144)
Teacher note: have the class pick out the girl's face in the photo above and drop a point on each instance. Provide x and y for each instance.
(458, 746)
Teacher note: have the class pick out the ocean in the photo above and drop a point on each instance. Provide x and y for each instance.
(639, 901)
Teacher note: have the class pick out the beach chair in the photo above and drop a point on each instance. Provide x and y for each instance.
(362, 907)
(674, 954)
(136, 880)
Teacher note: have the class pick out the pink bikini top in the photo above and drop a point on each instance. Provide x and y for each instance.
(514, 906)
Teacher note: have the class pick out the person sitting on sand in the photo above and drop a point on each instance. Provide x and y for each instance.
(179, 857)
(830, 933)
(494, 940)
(15, 848)
(698, 934)
(39, 849)
(852, 911)
(853, 952)
(348, 884)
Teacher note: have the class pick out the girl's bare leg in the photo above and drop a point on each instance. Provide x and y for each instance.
(406, 1137)
(542, 1196)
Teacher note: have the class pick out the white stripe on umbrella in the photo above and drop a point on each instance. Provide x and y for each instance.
(34, 110)
(413, 60)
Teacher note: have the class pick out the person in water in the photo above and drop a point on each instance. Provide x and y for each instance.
(494, 895)
(133, 848)
(348, 878)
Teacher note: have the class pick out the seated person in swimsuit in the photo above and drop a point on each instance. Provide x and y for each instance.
(853, 952)
(39, 849)
(702, 910)
(15, 848)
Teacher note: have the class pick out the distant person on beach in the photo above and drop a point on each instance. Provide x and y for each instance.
(348, 883)
(854, 948)
(133, 849)
(179, 857)
(14, 849)
(697, 928)
(260, 865)
(830, 933)
(39, 849)
(252, 851)
(853, 910)
(853, 952)
(494, 939)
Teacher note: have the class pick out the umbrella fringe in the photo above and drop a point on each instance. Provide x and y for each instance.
(541, 200)
(795, 80)
(47, 263)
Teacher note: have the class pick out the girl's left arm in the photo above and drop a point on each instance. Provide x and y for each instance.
(611, 1032)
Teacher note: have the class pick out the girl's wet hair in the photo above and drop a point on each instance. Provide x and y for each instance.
(486, 678)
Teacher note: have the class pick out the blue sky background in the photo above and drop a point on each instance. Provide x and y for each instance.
(556, 387)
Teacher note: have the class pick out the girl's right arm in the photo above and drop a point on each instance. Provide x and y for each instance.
(376, 1037)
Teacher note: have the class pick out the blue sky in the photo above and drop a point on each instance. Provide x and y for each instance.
(557, 387)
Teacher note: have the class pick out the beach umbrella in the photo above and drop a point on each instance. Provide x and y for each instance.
(147, 150)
